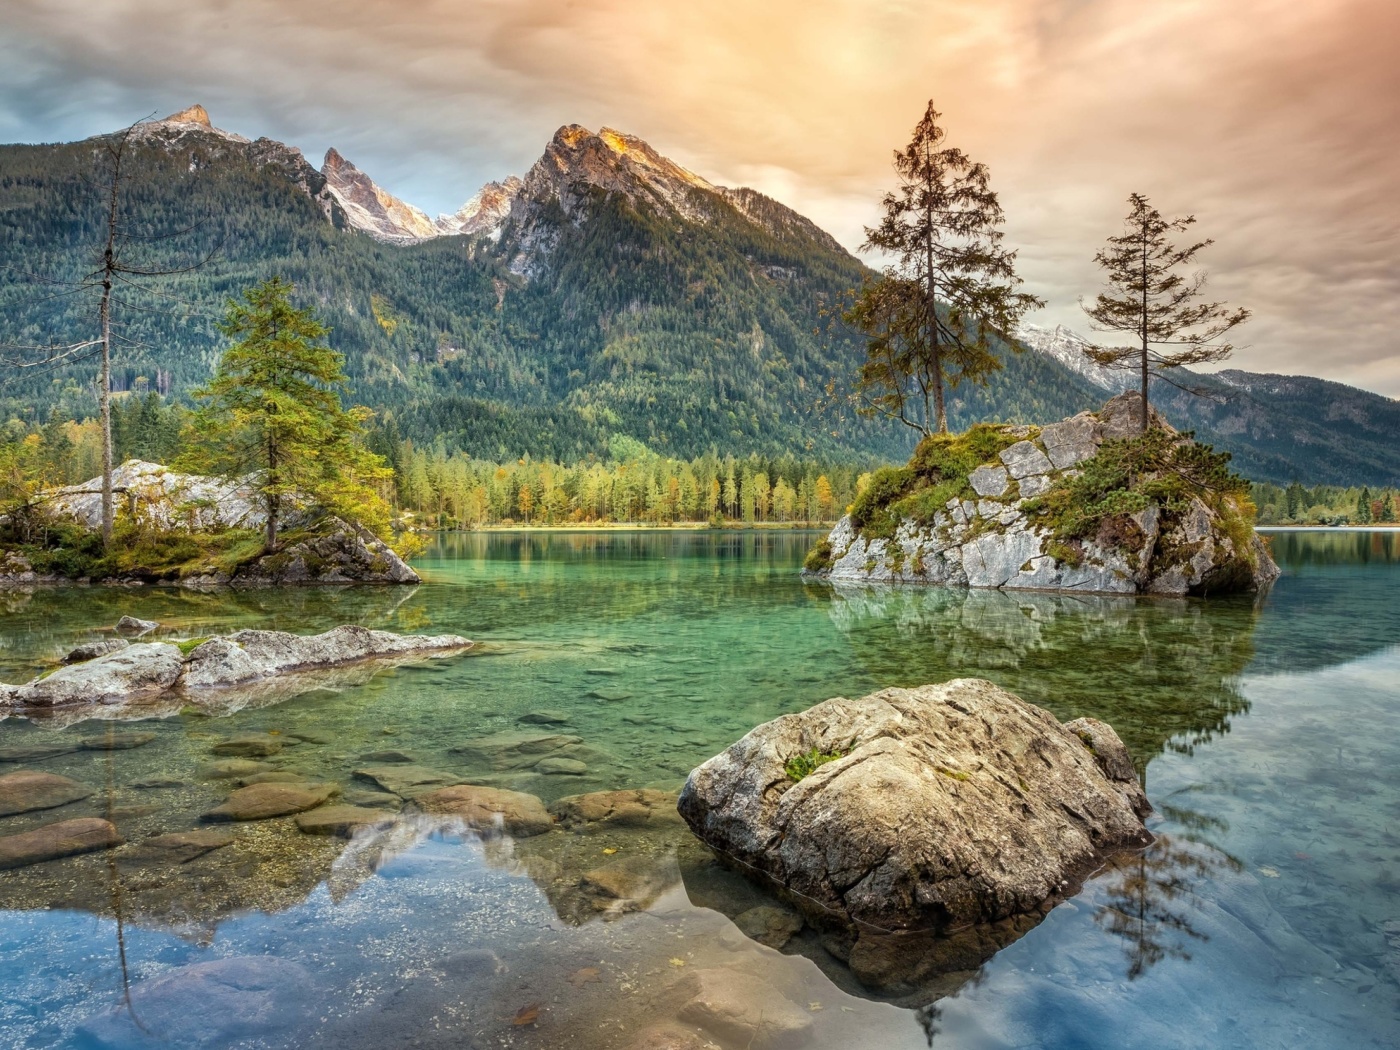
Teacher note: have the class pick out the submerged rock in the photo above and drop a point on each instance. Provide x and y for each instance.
(408, 781)
(27, 790)
(487, 809)
(52, 841)
(258, 745)
(950, 806)
(744, 1010)
(1201, 542)
(209, 1004)
(599, 810)
(177, 847)
(261, 801)
(341, 820)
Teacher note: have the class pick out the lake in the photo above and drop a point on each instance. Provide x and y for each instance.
(1267, 913)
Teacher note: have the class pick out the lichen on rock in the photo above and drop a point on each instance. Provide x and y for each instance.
(1087, 504)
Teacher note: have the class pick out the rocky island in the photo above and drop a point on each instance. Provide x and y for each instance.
(192, 531)
(1088, 504)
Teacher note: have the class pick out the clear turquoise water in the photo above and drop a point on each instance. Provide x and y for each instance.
(1268, 734)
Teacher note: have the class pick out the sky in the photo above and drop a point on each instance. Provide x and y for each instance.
(1272, 121)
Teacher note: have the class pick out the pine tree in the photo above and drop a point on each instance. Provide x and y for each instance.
(1150, 301)
(273, 411)
(1293, 497)
(932, 320)
(1388, 510)
(1363, 507)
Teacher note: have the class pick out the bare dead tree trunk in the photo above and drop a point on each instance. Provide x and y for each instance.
(104, 384)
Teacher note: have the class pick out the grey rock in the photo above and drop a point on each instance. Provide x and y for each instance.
(953, 805)
(27, 790)
(92, 650)
(225, 1002)
(1033, 485)
(993, 544)
(1071, 441)
(1025, 458)
(989, 481)
(133, 625)
(138, 671)
(249, 655)
(157, 783)
(67, 838)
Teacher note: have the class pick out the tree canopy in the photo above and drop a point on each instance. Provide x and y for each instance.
(944, 309)
(1150, 300)
(273, 411)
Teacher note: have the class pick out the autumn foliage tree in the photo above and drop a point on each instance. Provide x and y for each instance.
(939, 313)
(1152, 302)
(273, 412)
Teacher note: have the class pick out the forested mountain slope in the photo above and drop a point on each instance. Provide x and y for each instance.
(609, 291)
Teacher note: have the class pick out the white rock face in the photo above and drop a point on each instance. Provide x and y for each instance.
(992, 543)
(164, 498)
(146, 669)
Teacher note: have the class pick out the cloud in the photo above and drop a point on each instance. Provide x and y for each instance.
(1271, 121)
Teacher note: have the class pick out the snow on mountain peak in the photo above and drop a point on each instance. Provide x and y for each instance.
(1067, 347)
(371, 209)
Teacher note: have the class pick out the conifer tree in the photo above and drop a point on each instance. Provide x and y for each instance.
(934, 318)
(1363, 507)
(1388, 509)
(273, 411)
(1149, 301)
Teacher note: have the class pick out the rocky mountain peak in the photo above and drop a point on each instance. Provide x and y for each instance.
(614, 162)
(372, 209)
(485, 212)
(195, 114)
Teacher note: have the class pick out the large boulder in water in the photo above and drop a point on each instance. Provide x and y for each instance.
(951, 805)
(1166, 517)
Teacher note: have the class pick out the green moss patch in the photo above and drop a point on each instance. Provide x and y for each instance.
(936, 473)
(804, 765)
(1157, 469)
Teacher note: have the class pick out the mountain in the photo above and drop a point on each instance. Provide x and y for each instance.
(608, 291)
(1278, 428)
(371, 209)
(1068, 348)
